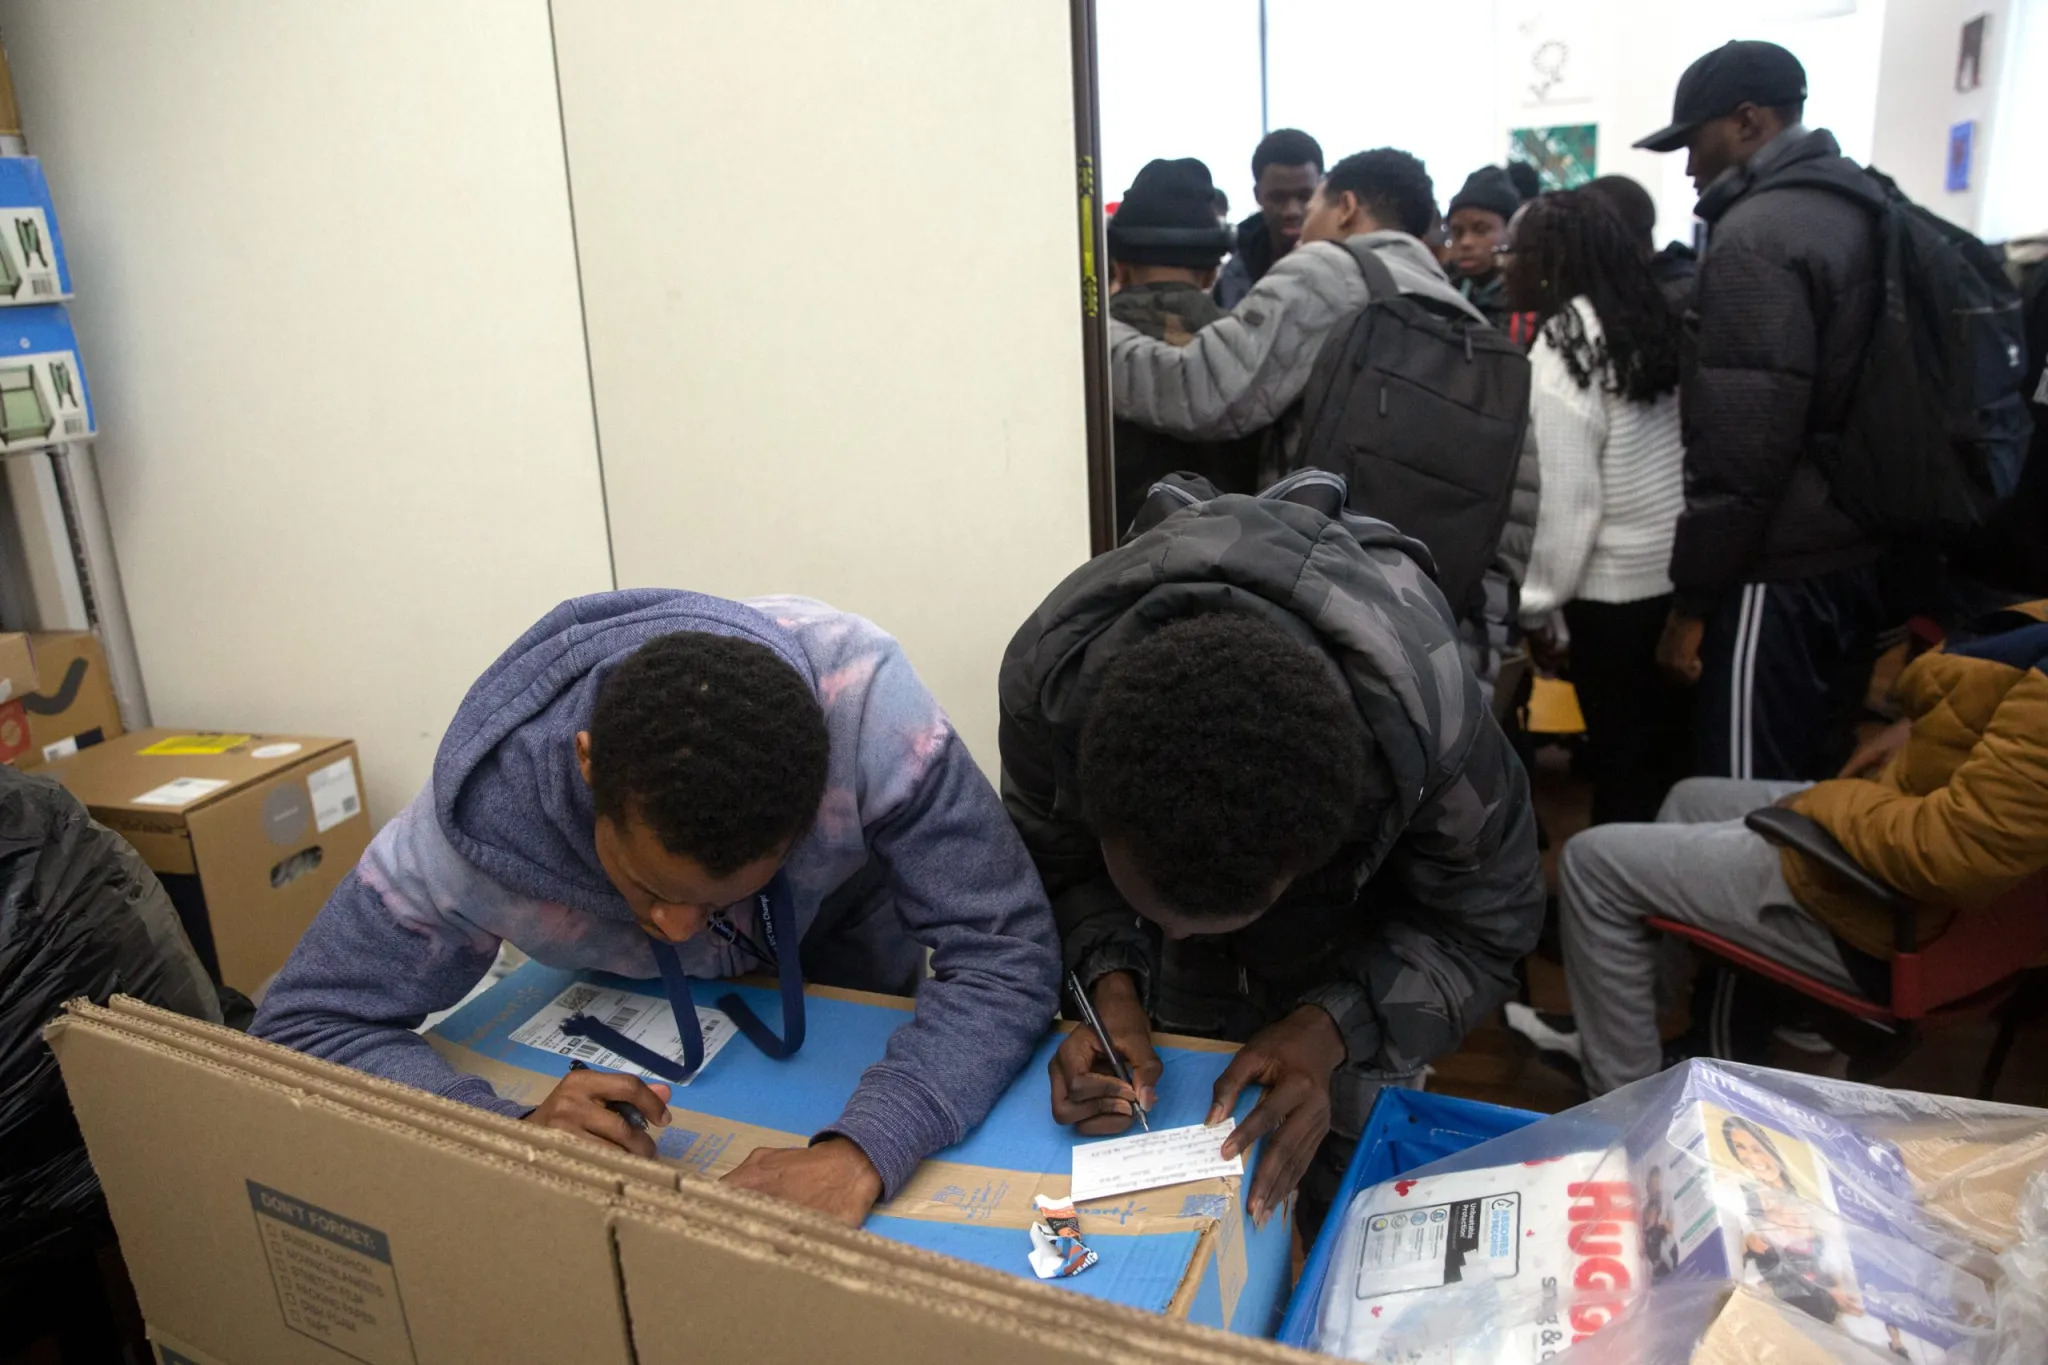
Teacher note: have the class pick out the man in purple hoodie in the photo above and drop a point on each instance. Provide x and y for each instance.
(663, 766)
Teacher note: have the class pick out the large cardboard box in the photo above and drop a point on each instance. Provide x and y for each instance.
(1185, 1251)
(250, 833)
(73, 705)
(276, 1208)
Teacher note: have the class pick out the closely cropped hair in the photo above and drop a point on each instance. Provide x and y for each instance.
(1224, 755)
(715, 742)
(1392, 184)
(1286, 147)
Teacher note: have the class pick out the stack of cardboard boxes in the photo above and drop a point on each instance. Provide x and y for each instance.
(249, 833)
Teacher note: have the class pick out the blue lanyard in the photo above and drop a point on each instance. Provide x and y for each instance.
(778, 922)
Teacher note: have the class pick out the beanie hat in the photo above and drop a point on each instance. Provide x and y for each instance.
(1168, 217)
(1488, 188)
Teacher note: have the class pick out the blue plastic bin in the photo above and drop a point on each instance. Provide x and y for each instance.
(1406, 1129)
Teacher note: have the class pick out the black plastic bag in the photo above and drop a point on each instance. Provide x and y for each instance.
(80, 915)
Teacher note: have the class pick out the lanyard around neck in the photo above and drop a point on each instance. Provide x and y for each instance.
(778, 922)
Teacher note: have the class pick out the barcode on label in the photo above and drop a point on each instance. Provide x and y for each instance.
(349, 805)
(45, 288)
(576, 997)
(74, 426)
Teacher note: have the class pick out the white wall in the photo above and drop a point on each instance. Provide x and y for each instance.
(831, 262)
(1921, 42)
(1450, 87)
(1179, 78)
(327, 295)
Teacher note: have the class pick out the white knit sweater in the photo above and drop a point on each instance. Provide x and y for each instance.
(1613, 486)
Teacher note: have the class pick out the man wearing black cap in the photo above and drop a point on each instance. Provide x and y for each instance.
(1477, 224)
(1165, 244)
(1778, 602)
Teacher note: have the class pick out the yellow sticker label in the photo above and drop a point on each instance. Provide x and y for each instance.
(188, 746)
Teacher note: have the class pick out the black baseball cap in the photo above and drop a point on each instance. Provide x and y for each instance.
(1732, 75)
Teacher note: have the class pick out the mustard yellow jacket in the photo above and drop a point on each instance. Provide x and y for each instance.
(1960, 814)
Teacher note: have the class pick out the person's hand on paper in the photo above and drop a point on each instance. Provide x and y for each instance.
(1085, 1090)
(1293, 1059)
(581, 1104)
(834, 1177)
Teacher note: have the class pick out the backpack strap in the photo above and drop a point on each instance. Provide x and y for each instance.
(1379, 281)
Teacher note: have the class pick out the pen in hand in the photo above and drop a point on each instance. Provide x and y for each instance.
(620, 1107)
(1116, 1061)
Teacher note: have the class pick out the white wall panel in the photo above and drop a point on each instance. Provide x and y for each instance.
(327, 297)
(830, 261)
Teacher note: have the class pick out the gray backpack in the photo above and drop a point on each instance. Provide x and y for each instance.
(1422, 407)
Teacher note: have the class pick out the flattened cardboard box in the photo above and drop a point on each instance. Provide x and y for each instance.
(261, 827)
(267, 1225)
(73, 707)
(484, 1268)
(1185, 1251)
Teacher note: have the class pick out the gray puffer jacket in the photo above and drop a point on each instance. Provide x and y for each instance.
(1247, 371)
(1410, 934)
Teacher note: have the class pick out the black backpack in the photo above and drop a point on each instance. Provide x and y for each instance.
(1937, 426)
(1422, 407)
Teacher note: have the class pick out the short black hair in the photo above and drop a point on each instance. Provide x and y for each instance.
(1393, 185)
(1286, 147)
(1628, 198)
(1224, 755)
(715, 742)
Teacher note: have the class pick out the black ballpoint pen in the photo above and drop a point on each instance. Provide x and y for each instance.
(1123, 1072)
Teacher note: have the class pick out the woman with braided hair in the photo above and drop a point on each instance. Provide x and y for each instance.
(1604, 405)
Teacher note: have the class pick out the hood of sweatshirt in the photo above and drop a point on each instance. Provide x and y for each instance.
(506, 787)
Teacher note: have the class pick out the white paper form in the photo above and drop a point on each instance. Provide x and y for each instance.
(1146, 1161)
(646, 1020)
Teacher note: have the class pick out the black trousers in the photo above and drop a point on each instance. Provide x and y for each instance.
(1638, 722)
(1784, 666)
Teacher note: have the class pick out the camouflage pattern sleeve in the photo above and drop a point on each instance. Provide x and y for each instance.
(1461, 900)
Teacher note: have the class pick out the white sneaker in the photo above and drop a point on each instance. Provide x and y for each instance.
(1530, 1025)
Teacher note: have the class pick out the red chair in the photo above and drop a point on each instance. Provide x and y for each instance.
(1981, 965)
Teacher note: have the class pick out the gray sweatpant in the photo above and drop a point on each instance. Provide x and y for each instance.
(1698, 864)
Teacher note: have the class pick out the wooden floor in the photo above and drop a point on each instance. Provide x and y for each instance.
(1499, 1067)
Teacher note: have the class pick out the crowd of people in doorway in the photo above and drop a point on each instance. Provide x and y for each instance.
(1742, 504)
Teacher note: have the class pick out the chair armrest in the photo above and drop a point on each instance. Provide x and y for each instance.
(1790, 829)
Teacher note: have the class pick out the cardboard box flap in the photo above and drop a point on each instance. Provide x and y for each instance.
(838, 1250)
(267, 1224)
(334, 1079)
(520, 1148)
(187, 770)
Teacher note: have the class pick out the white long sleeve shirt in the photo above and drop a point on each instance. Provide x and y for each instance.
(1613, 486)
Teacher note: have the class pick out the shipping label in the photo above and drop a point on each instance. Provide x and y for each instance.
(647, 1020)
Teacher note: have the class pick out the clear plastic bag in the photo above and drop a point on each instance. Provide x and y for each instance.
(80, 915)
(1714, 1213)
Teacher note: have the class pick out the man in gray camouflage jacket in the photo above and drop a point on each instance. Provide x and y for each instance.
(1248, 370)
(1251, 726)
